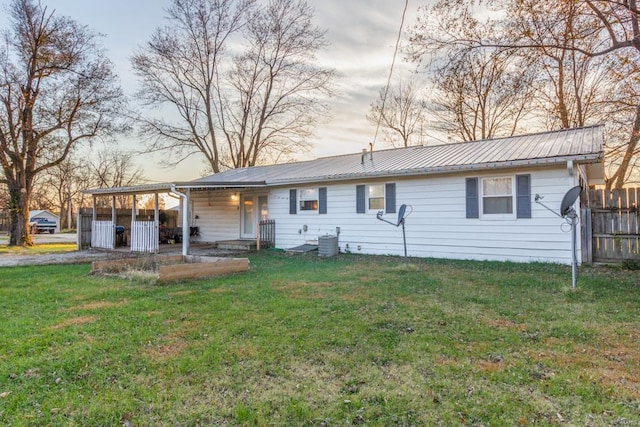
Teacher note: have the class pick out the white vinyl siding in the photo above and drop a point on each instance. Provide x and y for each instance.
(218, 215)
(437, 226)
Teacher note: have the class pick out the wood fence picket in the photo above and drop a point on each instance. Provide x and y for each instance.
(615, 224)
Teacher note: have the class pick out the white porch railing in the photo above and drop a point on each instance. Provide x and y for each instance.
(144, 236)
(103, 234)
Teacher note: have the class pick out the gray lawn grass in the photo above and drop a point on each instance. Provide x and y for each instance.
(301, 340)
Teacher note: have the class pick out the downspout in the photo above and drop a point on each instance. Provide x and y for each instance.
(185, 219)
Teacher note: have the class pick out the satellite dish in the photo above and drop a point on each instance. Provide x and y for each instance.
(401, 212)
(569, 199)
(401, 216)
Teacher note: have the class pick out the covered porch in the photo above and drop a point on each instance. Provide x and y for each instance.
(107, 225)
(138, 230)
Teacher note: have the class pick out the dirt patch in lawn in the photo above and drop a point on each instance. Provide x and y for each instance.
(168, 346)
(74, 321)
(98, 305)
(300, 290)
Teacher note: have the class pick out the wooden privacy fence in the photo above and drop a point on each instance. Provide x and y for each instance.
(614, 231)
(266, 234)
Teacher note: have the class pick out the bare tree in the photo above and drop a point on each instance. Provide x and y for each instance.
(402, 112)
(65, 183)
(575, 42)
(57, 89)
(180, 68)
(240, 78)
(482, 94)
(272, 99)
(115, 168)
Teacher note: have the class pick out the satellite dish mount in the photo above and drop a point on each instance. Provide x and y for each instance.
(571, 216)
(402, 215)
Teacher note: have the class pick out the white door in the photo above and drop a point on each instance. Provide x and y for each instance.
(247, 217)
(254, 208)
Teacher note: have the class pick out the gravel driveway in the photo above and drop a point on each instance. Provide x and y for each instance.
(74, 257)
(89, 255)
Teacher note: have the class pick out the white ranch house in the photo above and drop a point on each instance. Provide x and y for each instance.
(471, 200)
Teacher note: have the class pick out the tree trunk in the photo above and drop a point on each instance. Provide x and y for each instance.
(617, 180)
(20, 233)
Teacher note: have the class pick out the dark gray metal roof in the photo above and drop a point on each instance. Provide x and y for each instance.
(581, 145)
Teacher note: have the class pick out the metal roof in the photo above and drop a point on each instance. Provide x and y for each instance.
(581, 145)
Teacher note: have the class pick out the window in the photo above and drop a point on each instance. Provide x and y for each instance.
(309, 199)
(506, 197)
(497, 196)
(376, 197)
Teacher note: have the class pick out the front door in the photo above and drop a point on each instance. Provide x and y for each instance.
(254, 208)
(247, 217)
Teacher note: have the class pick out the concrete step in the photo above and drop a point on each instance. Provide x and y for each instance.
(238, 245)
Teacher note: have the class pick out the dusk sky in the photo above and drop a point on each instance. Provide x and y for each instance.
(362, 34)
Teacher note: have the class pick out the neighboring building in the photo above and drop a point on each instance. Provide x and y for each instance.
(472, 200)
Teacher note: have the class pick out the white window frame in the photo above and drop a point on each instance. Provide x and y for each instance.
(308, 195)
(367, 198)
(498, 216)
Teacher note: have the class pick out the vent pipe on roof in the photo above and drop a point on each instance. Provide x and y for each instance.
(364, 153)
(371, 151)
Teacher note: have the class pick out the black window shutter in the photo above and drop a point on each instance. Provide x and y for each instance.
(293, 202)
(523, 196)
(360, 199)
(473, 210)
(322, 200)
(390, 198)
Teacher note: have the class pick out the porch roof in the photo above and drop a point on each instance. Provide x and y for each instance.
(168, 187)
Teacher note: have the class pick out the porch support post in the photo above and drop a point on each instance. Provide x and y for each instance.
(94, 216)
(186, 231)
(134, 208)
(113, 219)
(156, 221)
(134, 204)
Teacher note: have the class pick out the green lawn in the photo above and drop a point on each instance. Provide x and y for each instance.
(39, 249)
(309, 341)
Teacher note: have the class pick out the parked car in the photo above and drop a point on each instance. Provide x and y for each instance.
(42, 225)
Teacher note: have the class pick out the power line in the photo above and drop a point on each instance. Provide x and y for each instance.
(393, 61)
